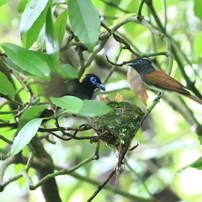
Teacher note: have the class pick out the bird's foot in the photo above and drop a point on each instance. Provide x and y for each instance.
(158, 97)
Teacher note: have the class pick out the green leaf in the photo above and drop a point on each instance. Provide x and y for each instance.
(52, 47)
(32, 11)
(6, 87)
(51, 39)
(25, 135)
(16, 67)
(200, 140)
(68, 71)
(31, 113)
(181, 170)
(197, 9)
(60, 26)
(30, 61)
(2, 2)
(197, 164)
(197, 45)
(35, 31)
(70, 103)
(84, 21)
(93, 108)
(21, 5)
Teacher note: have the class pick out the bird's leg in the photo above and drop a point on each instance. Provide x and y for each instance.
(160, 94)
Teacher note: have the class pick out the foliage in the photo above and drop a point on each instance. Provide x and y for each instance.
(71, 38)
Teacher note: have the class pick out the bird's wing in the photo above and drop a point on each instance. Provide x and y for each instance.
(55, 87)
(163, 81)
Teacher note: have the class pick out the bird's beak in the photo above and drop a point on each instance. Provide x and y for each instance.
(130, 64)
(100, 86)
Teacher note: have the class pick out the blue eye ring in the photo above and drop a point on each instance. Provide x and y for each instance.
(139, 62)
(93, 79)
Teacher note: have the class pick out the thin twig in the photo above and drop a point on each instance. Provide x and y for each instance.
(100, 187)
(113, 66)
(139, 178)
(25, 171)
(115, 6)
(5, 139)
(62, 172)
(139, 13)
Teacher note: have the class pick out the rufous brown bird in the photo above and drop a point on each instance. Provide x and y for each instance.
(158, 80)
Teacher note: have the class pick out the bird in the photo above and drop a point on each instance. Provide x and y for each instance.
(158, 80)
(59, 86)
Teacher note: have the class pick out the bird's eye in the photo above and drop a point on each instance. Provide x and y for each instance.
(139, 61)
(93, 79)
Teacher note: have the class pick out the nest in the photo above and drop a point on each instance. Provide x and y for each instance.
(119, 127)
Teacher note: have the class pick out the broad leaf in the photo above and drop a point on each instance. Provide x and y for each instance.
(84, 21)
(92, 108)
(70, 103)
(197, 45)
(197, 8)
(197, 164)
(2, 2)
(30, 61)
(16, 67)
(200, 140)
(32, 11)
(25, 135)
(6, 87)
(68, 71)
(52, 47)
(36, 31)
(60, 26)
(31, 113)
(51, 39)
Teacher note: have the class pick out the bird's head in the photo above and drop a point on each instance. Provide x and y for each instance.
(142, 66)
(91, 81)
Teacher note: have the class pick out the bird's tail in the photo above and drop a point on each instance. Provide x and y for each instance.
(196, 99)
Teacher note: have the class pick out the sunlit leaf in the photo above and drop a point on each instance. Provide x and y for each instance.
(197, 164)
(200, 140)
(6, 87)
(29, 37)
(197, 8)
(21, 6)
(68, 71)
(181, 170)
(32, 11)
(92, 108)
(30, 61)
(51, 39)
(36, 31)
(31, 113)
(70, 103)
(84, 21)
(25, 135)
(16, 67)
(60, 26)
(197, 45)
(2, 2)
(52, 47)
